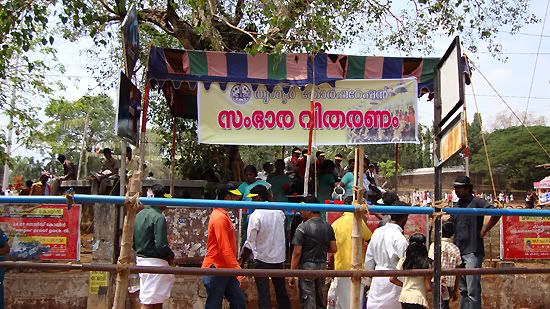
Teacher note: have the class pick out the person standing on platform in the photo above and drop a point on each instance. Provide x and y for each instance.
(221, 252)
(152, 249)
(265, 240)
(314, 238)
(339, 170)
(291, 163)
(250, 181)
(386, 247)
(470, 231)
(326, 181)
(280, 183)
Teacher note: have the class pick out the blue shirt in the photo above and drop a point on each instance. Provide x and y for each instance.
(245, 188)
(348, 182)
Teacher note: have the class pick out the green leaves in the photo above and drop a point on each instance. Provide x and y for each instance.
(514, 155)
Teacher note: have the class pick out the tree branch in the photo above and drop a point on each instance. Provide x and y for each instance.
(238, 13)
(107, 7)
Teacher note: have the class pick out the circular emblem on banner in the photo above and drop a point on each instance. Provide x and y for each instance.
(241, 93)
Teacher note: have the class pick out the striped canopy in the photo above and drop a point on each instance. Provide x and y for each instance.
(289, 69)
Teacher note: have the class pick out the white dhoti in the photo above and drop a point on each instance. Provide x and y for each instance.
(383, 294)
(339, 295)
(154, 288)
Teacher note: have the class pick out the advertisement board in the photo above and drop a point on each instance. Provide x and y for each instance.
(42, 232)
(351, 112)
(524, 237)
(129, 110)
(130, 39)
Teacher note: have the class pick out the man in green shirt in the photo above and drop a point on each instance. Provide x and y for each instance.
(151, 247)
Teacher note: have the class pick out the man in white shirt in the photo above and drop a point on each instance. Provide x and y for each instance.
(265, 240)
(386, 247)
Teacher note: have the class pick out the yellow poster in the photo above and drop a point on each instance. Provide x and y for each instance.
(99, 282)
(352, 112)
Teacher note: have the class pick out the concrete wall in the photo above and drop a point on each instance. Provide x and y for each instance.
(70, 290)
(45, 290)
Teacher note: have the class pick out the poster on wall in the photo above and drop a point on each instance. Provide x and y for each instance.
(524, 237)
(42, 232)
(352, 112)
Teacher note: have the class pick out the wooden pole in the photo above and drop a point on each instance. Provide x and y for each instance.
(125, 258)
(173, 162)
(83, 151)
(356, 239)
(396, 179)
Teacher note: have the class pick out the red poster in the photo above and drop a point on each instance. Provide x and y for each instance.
(415, 223)
(524, 237)
(45, 232)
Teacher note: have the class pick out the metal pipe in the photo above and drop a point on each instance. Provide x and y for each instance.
(81, 198)
(178, 202)
(196, 271)
(497, 212)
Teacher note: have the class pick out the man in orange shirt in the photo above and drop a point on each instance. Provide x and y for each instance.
(41, 187)
(221, 252)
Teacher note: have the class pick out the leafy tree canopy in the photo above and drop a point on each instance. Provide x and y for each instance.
(259, 26)
(514, 154)
(64, 131)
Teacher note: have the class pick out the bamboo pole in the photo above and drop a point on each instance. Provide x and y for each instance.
(173, 154)
(356, 239)
(125, 258)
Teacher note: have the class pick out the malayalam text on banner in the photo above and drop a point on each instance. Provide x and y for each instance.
(45, 232)
(352, 112)
(524, 237)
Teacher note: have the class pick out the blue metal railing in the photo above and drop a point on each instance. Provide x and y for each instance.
(199, 203)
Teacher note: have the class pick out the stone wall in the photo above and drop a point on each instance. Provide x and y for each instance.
(70, 290)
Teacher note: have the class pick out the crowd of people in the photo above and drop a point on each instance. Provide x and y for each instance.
(317, 245)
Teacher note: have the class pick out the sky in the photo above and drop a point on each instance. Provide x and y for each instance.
(511, 78)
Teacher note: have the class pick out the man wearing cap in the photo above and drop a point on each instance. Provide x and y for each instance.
(265, 239)
(470, 231)
(41, 187)
(291, 163)
(339, 169)
(221, 252)
(152, 249)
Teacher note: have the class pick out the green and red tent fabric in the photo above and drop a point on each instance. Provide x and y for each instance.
(176, 71)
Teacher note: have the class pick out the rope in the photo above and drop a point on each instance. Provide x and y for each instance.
(536, 61)
(124, 267)
(133, 201)
(484, 144)
(69, 196)
(505, 103)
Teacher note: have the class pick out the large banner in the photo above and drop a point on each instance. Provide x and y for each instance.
(352, 112)
(45, 232)
(524, 237)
